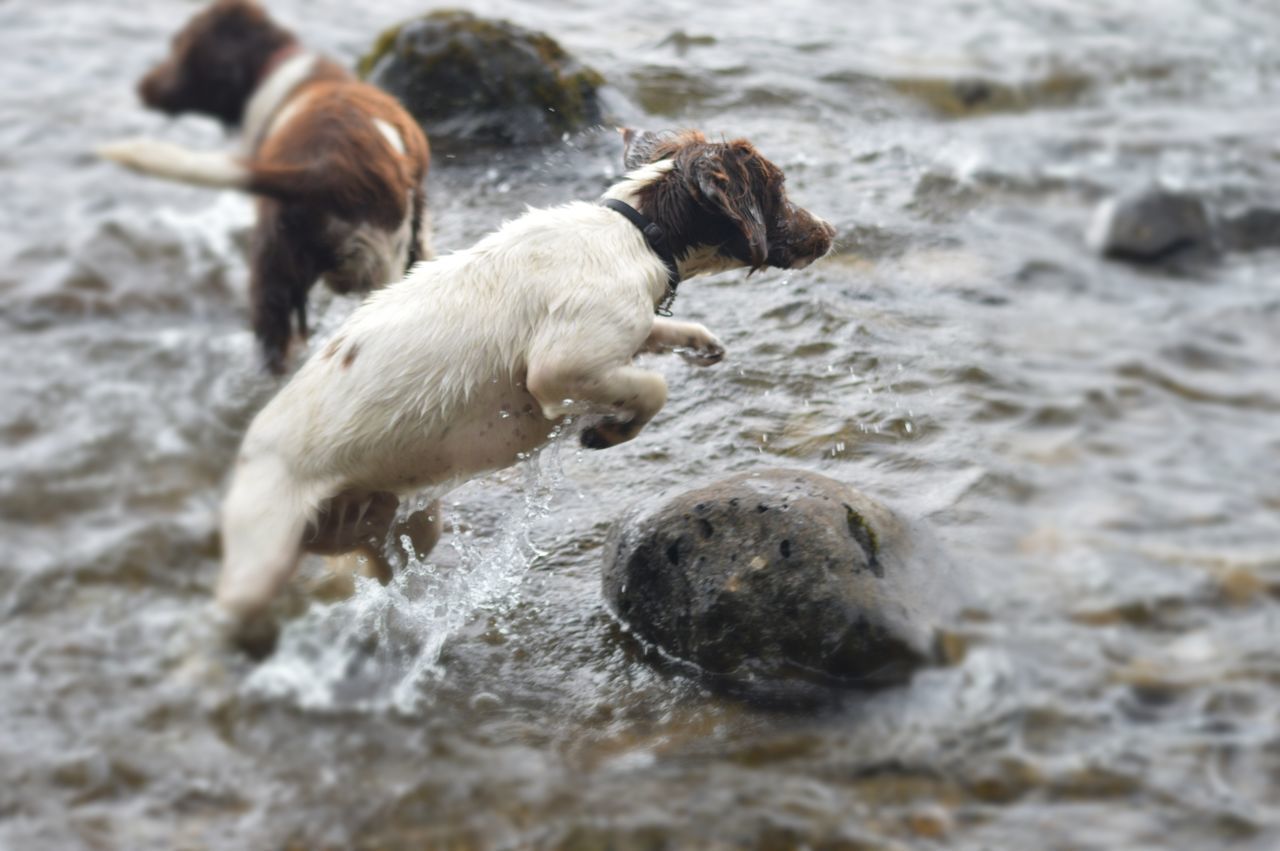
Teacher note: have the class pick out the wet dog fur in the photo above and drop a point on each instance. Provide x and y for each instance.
(475, 358)
(338, 165)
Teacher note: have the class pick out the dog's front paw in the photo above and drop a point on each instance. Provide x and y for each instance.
(702, 348)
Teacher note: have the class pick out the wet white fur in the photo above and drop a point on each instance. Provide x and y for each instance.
(457, 369)
(370, 256)
(174, 162)
(270, 97)
(391, 134)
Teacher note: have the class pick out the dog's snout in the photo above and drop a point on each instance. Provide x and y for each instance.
(156, 88)
(823, 235)
(808, 238)
(816, 236)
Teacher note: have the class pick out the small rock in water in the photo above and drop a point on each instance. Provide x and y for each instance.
(1152, 225)
(775, 579)
(1251, 230)
(470, 79)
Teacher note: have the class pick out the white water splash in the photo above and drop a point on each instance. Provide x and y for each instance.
(380, 649)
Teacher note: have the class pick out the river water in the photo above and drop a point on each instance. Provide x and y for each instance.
(1094, 446)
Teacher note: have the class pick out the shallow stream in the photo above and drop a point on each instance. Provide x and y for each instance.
(1096, 448)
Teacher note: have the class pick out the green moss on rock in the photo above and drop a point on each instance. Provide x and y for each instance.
(471, 79)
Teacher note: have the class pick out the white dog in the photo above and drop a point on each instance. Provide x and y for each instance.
(476, 356)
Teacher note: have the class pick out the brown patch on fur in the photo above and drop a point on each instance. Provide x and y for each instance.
(332, 348)
(328, 164)
(350, 357)
(332, 153)
(751, 218)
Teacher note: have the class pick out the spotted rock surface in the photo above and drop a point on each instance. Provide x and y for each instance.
(774, 576)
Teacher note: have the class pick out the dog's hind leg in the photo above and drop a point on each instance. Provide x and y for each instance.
(422, 529)
(420, 248)
(283, 267)
(263, 520)
(353, 532)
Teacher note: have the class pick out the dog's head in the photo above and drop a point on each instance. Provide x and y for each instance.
(216, 61)
(723, 205)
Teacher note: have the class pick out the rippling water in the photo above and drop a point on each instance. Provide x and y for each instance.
(1096, 448)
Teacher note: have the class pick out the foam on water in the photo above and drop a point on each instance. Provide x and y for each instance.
(381, 648)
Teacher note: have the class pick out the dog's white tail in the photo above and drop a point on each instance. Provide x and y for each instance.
(263, 520)
(173, 162)
(315, 182)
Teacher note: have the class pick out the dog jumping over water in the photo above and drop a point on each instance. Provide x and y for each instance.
(338, 165)
(477, 356)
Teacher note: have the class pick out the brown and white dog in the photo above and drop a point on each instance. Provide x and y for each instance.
(338, 164)
(477, 356)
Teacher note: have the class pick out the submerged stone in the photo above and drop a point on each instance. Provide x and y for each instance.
(470, 79)
(1151, 225)
(969, 96)
(1254, 229)
(780, 576)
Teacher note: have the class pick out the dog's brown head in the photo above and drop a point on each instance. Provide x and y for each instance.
(724, 198)
(216, 61)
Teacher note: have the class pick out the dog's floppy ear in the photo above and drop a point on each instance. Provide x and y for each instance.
(726, 185)
(637, 147)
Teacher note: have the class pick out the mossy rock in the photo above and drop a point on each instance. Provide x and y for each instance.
(970, 96)
(476, 80)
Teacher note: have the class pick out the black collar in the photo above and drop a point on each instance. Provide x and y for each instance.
(658, 242)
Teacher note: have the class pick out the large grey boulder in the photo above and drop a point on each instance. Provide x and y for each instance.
(775, 577)
(475, 80)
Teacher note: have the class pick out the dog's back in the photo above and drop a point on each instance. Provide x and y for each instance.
(340, 172)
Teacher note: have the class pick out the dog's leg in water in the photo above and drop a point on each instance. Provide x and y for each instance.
(352, 529)
(423, 528)
(280, 275)
(633, 394)
(263, 519)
